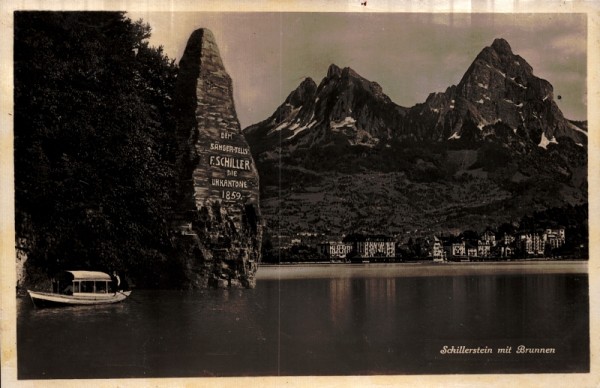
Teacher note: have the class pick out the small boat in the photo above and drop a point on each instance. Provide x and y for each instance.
(79, 288)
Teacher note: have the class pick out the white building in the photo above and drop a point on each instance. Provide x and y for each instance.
(372, 246)
(335, 249)
(458, 249)
(531, 243)
(554, 237)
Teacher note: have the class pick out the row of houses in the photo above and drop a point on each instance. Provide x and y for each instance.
(486, 246)
(359, 246)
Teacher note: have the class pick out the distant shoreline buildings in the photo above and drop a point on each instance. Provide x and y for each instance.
(489, 245)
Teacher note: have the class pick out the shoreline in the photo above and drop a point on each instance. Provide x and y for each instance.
(418, 269)
(426, 262)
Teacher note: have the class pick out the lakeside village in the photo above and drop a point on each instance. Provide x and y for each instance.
(550, 243)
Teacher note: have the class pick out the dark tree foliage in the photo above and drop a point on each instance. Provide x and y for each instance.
(94, 143)
(469, 235)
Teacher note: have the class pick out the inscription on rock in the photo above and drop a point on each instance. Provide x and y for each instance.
(219, 215)
(230, 168)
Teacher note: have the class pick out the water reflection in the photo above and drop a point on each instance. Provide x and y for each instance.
(337, 325)
(339, 300)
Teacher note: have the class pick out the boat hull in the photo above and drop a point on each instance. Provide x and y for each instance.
(48, 299)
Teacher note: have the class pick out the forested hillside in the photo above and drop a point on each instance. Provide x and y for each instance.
(94, 146)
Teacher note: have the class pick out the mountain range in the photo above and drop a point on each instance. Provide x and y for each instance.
(341, 157)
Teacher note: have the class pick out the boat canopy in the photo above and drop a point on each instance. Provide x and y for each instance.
(90, 275)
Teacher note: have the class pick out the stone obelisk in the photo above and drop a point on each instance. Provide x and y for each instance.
(218, 217)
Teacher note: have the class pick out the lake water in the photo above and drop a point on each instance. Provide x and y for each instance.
(324, 320)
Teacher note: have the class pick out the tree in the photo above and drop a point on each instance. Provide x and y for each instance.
(94, 142)
(268, 253)
(469, 235)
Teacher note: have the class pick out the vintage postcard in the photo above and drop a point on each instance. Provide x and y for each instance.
(299, 193)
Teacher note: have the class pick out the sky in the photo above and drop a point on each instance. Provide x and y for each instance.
(410, 55)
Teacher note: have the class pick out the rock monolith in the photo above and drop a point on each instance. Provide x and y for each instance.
(218, 218)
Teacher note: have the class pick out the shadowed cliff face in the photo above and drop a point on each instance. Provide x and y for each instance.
(218, 218)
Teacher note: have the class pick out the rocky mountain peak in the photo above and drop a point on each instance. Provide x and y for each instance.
(334, 71)
(348, 83)
(350, 73)
(501, 46)
(305, 91)
(345, 108)
(499, 59)
(500, 87)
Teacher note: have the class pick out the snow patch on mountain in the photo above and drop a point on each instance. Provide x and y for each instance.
(346, 122)
(484, 123)
(499, 71)
(519, 105)
(297, 129)
(518, 84)
(545, 141)
(286, 123)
